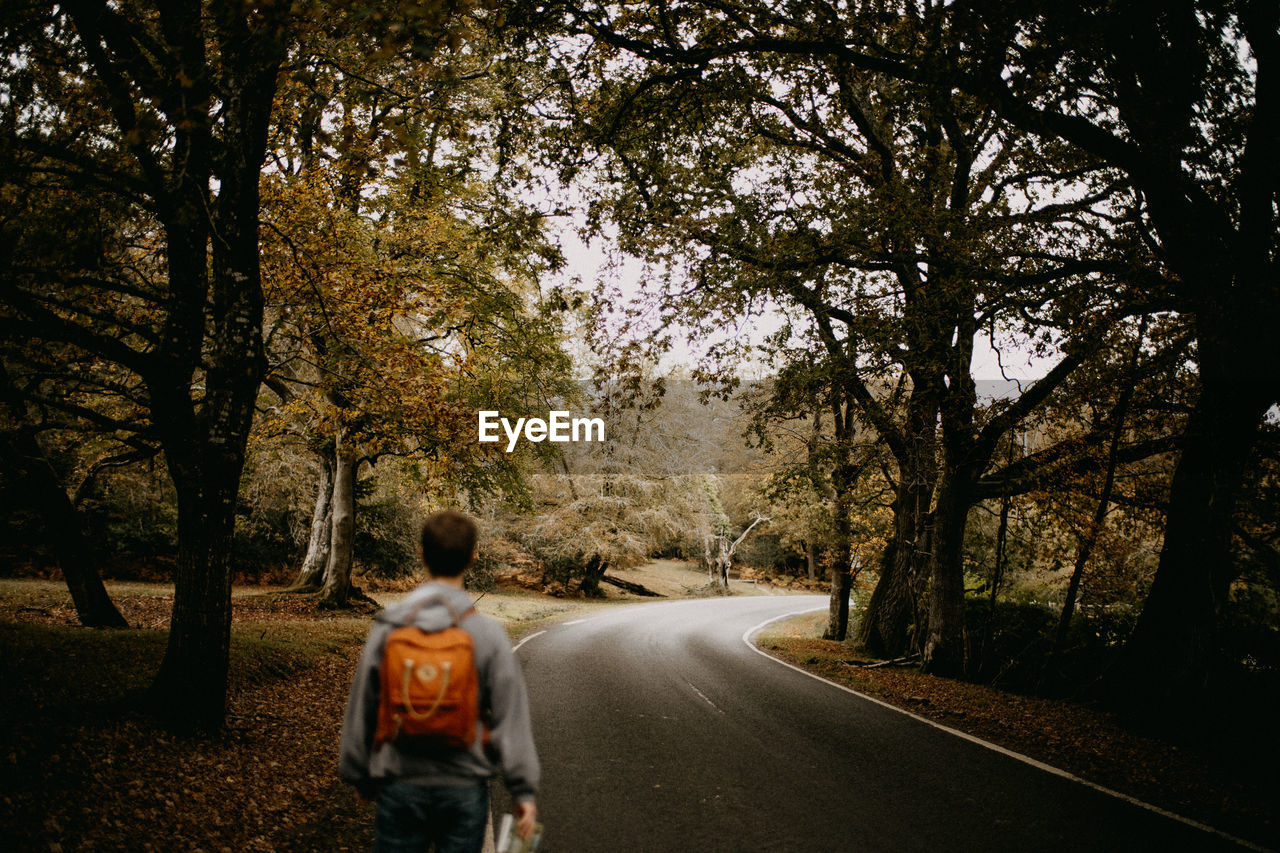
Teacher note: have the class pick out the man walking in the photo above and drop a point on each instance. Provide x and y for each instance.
(438, 707)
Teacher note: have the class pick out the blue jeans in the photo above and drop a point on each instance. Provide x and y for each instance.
(410, 817)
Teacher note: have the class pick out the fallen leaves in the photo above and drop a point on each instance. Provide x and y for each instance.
(95, 775)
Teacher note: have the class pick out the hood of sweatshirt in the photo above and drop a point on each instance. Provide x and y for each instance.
(432, 607)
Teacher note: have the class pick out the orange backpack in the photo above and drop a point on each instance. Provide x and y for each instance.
(430, 687)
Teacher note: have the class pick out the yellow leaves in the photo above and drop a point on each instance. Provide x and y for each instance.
(356, 298)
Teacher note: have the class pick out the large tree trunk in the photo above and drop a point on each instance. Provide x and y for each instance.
(191, 687)
(1174, 652)
(337, 573)
(944, 652)
(892, 616)
(962, 464)
(311, 575)
(205, 452)
(201, 448)
(838, 607)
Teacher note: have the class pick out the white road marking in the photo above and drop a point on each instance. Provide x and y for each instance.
(704, 697)
(578, 621)
(517, 646)
(1025, 759)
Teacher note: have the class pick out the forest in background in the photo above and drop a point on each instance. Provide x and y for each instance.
(264, 263)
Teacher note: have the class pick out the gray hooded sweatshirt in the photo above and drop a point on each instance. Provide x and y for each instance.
(502, 696)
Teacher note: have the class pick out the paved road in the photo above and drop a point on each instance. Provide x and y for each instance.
(660, 730)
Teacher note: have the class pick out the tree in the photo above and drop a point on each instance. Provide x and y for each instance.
(151, 105)
(901, 217)
(63, 527)
(835, 461)
(726, 549)
(1182, 101)
(403, 275)
(70, 415)
(1089, 539)
(167, 107)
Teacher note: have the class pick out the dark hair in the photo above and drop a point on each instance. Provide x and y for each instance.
(448, 542)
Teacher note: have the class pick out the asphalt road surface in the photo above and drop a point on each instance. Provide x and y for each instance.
(659, 730)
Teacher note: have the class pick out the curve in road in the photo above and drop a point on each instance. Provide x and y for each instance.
(660, 729)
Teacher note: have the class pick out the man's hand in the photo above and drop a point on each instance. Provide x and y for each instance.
(526, 813)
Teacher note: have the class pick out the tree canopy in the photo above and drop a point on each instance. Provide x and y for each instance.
(317, 238)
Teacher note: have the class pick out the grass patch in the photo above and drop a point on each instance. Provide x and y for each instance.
(34, 590)
(267, 650)
(55, 669)
(52, 668)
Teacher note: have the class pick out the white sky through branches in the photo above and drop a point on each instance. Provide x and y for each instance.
(589, 264)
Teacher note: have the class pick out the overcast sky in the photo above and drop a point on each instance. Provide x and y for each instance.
(591, 263)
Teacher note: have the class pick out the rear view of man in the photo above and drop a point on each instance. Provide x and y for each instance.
(437, 707)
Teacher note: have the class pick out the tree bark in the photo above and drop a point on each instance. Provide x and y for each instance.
(892, 622)
(843, 480)
(191, 687)
(838, 607)
(1172, 657)
(944, 652)
(962, 462)
(311, 575)
(892, 618)
(337, 573)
